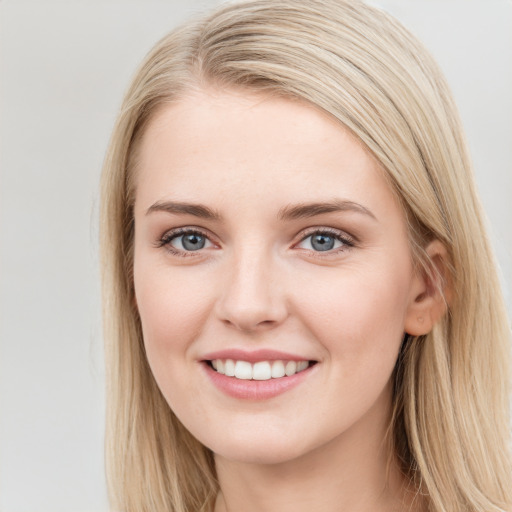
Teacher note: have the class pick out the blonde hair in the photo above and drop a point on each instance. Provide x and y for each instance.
(451, 423)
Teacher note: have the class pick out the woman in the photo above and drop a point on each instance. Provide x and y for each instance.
(301, 312)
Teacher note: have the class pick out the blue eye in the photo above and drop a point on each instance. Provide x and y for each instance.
(323, 241)
(184, 241)
(192, 242)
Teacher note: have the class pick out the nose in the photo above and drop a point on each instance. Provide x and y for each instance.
(252, 298)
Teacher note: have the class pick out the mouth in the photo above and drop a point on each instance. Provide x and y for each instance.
(257, 374)
(259, 370)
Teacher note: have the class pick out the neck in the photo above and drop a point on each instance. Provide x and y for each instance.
(353, 472)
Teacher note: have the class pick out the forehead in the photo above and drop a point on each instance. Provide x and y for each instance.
(211, 145)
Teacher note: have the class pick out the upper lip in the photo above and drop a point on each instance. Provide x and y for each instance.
(253, 356)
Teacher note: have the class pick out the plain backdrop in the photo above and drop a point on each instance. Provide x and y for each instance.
(64, 68)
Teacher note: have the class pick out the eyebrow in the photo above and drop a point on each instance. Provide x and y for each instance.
(289, 212)
(197, 210)
(306, 210)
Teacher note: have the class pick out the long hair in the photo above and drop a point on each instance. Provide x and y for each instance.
(450, 425)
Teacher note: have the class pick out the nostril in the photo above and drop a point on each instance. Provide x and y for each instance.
(249, 325)
(252, 302)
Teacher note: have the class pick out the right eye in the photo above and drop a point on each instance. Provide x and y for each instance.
(182, 242)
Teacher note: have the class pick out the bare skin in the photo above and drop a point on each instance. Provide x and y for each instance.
(247, 268)
(350, 473)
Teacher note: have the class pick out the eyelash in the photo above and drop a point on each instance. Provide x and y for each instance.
(169, 236)
(347, 241)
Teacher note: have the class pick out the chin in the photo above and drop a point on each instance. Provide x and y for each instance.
(257, 447)
(258, 454)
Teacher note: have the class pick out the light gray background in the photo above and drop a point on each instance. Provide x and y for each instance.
(64, 67)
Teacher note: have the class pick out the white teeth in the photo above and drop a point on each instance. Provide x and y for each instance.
(243, 370)
(262, 370)
(290, 368)
(278, 369)
(229, 368)
(302, 365)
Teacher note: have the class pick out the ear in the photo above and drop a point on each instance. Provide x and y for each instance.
(430, 292)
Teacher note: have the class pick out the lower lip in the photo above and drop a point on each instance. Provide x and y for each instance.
(255, 389)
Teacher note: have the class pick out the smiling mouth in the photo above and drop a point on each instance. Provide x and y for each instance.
(261, 370)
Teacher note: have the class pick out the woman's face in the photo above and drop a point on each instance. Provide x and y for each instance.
(267, 241)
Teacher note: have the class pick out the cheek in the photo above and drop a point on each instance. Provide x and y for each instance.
(358, 315)
(171, 305)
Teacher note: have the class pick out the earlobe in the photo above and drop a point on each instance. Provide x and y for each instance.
(430, 292)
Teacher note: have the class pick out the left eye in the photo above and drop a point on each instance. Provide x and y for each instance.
(321, 242)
